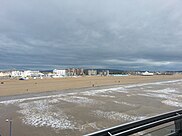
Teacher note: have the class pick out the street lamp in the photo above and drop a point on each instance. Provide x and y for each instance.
(0, 133)
(10, 125)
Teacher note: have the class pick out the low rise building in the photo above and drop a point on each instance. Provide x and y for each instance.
(35, 74)
(17, 74)
(104, 73)
(147, 74)
(4, 74)
(27, 73)
(59, 72)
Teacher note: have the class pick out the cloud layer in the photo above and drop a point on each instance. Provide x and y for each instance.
(122, 34)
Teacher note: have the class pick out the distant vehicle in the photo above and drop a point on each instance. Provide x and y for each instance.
(23, 78)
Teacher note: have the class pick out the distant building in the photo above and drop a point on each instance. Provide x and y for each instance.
(147, 74)
(1, 74)
(17, 74)
(79, 71)
(4, 74)
(34, 74)
(27, 73)
(104, 73)
(70, 72)
(59, 72)
(91, 72)
(74, 72)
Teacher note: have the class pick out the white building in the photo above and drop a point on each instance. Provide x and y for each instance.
(17, 74)
(34, 73)
(1, 74)
(147, 74)
(60, 73)
(92, 72)
(4, 74)
(27, 73)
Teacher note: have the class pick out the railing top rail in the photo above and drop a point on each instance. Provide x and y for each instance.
(135, 124)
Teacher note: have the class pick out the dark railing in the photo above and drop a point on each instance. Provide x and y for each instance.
(141, 125)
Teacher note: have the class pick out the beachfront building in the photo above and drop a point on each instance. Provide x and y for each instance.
(4, 74)
(1, 74)
(147, 74)
(17, 74)
(27, 73)
(104, 73)
(79, 71)
(34, 74)
(91, 72)
(74, 72)
(60, 73)
(71, 72)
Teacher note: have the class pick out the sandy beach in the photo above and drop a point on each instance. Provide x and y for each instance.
(15, 87)
(74, 107)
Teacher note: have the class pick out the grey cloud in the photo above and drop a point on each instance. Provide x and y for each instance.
(136, 34)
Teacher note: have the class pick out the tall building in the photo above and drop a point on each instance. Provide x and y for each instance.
(91, 72)
(75, 72)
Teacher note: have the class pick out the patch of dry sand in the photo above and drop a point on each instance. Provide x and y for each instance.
(14, 87)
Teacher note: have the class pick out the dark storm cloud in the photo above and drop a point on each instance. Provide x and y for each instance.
(124, 34)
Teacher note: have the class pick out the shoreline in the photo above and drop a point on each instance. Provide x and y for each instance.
(41, 86)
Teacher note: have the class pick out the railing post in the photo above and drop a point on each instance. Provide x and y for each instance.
(10, 129)
(10, 126)
(178, 127)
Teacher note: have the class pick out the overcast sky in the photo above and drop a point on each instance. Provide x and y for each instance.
(119, 34)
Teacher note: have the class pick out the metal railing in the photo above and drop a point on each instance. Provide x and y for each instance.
(141, 125)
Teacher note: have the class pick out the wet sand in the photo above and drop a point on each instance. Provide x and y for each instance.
(15, 87)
